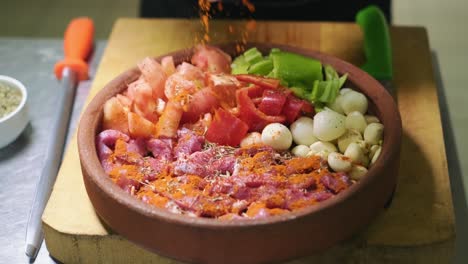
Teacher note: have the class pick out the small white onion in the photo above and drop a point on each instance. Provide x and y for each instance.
(345, 90)
(364, 146)
(371, 119)
(277, 136)
(355, 120)
(329, 125)
(338, 162)
(372, 151)
(354, 152)
(349, 137)
(322, 146)
(336, 105)
(323, 154)
(357, 172)
(302, 131)
(373, 133)
(354, 101)
(376, 155)
(251, 139)
(301, 151)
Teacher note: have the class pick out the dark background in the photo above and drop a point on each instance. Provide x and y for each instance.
(305, 10)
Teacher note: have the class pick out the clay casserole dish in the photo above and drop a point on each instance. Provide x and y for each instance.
(273, 239)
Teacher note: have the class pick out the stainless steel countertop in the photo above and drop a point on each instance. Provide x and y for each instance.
(31, 61)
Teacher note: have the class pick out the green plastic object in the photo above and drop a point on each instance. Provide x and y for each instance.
(377, 45)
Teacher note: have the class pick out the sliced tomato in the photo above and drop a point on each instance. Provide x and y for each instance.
(140, 127)
(254, 118)
(256, 91)
(169, 121)
(224, 87)
(202, 102)
(115, 116)
(124, 100)
(226, 129)
(154, 75)
(259, 80)
(272, 102)
(308, 108)
(293, 108)
(168, 66)
(211, 59)
(142, 95)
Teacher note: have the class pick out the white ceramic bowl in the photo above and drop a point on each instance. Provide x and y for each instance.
(13, 123)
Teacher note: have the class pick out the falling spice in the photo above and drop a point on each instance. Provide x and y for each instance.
(10, 99)
(205, 16)
(207, 9)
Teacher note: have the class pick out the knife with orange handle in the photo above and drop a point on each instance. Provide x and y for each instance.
(78, 44)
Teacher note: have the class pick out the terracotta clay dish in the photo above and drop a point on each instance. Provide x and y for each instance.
(271, 239)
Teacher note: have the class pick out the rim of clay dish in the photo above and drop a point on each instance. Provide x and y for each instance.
(380, 101)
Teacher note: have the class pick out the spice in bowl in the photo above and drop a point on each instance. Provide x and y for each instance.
(10, 99)
(13, 109)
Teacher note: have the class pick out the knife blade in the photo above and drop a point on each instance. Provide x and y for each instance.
(377, 46)
(78, 43)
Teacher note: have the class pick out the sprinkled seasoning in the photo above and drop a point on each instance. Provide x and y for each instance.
(10, 98)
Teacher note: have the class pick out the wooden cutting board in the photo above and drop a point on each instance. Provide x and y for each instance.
(417, 228)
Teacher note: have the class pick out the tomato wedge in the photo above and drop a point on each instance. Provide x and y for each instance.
(272, 102)
(224, 88)
(294, 106)
(258, 80)
(139, 127)
(202, 102)
(169, 121)
(254, 118)
(256, 91)
(226, 129)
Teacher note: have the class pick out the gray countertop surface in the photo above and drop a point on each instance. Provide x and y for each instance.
(31, 61)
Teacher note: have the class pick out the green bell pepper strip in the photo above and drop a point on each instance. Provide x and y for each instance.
(263, 67)
(296, 70)
(240, 65)
(253, 56)
(330, 73)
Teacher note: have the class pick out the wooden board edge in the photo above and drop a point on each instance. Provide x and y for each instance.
(70, 248)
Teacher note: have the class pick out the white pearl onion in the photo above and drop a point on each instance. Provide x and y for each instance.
(323, 154)
(371, 119)
(355, 120)
(376, 156)
(354, 152)
(336, 105)
(354, 101)
(251, 139)
(346, 139)
(357, 172)
(372, 151)
(338, 162)
(364, 146)
(373, 133)
(322, 146)
(301, 151)
(329, 125)
(345, 90)
(302, 131)
(277, 136)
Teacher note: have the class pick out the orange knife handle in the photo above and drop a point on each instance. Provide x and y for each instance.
(78, 44)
